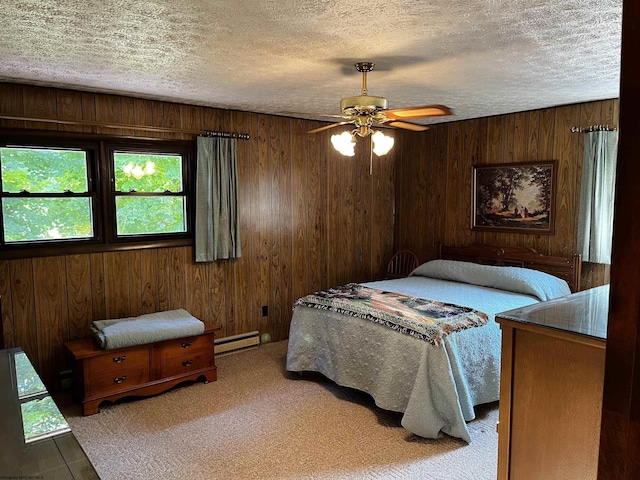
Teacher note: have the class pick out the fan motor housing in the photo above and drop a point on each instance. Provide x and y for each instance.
(363, 105)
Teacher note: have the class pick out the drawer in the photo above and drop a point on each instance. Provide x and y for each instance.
(123, 379)
(185, 363)
(119, 359)
(182, 346)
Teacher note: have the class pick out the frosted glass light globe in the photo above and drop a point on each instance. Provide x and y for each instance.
(344, 143)
(381, 143)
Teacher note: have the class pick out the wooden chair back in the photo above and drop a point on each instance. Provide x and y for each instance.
(402, 264)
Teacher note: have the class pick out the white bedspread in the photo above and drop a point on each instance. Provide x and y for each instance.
(435, 387)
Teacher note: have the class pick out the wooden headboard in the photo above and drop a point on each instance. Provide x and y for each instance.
(566, 268)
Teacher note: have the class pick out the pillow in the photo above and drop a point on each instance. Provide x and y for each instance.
(513, 279)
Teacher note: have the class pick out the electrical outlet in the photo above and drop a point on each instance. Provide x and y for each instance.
(265, 310)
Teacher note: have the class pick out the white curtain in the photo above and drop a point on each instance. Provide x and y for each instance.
(217, 225)
(595, 219)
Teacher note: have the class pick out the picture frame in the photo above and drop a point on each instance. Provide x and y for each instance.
(514, 197)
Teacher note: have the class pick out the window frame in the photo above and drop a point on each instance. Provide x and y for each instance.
(101, 185)
(146, 147)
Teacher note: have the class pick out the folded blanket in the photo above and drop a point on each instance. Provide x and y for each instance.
(149, 328)
(425, 319)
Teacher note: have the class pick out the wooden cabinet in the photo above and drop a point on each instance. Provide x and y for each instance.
(140, 370)
(552, 378)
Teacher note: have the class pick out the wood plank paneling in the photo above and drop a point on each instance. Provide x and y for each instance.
(88, 111)
(520, 139)
(24, 312)
(197, 283)
(128, 107)
(78, 282)
(314, 214)
(309, 217)
(285, 225)
(265, 220)
(299, 211)
(334, 211)
(143, 115)
(563, 242)
(98, 298)
(52, 317)
(177, 282)
(539, 135)
(163, 279)
(108, 110)
(456, 181)
(69, 106)
(6, 306)
(149, 280)
(11, 104)
(423, 233)
(116, 281)
(244, 308)
(135, 282)
(383, 205)
(216, 296)
(363, 205)
(290, 183)
(40, 102)
(275, 300)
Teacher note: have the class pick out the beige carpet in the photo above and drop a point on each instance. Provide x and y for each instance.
(260, 422)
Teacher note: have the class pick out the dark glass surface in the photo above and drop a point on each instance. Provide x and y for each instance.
(35, 439)
(584, 313)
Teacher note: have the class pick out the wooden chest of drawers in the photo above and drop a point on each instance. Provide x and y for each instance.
(108, 375)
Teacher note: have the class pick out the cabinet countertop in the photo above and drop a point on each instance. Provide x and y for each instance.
(583, 313)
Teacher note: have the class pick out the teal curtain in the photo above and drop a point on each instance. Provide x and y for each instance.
(597, 192)
(217, 224)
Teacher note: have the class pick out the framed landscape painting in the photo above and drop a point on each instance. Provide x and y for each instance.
(514, 197)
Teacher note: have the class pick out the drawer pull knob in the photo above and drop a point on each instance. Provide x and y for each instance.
(187, 363)
(186, 344)
(121, 379)
(119, 359)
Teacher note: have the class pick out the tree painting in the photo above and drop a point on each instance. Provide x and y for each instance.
(514, 197)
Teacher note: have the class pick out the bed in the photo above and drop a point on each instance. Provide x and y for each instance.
(435, 381)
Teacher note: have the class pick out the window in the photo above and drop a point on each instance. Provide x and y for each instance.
(96, 193)
(149, 194)
(45, 194)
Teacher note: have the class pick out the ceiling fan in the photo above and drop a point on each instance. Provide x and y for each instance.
(365, 111)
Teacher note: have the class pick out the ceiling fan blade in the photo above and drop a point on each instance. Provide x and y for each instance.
(327, 127)
(417, 112)
(406, 125)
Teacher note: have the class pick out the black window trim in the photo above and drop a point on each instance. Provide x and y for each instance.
(100, 172)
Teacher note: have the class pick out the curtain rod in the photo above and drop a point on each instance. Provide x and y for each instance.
(594, 128)
(126, 126)
(243, 136)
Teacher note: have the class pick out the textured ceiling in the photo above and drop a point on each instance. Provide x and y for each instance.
(295, 57)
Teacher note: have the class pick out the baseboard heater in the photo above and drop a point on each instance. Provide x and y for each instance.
(236, 343)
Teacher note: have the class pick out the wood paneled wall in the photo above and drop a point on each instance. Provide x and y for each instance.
(433, 184)
(310, 218)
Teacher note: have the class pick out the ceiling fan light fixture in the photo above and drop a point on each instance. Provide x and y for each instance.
(344, 143)
(381, 143)
(365, 111)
